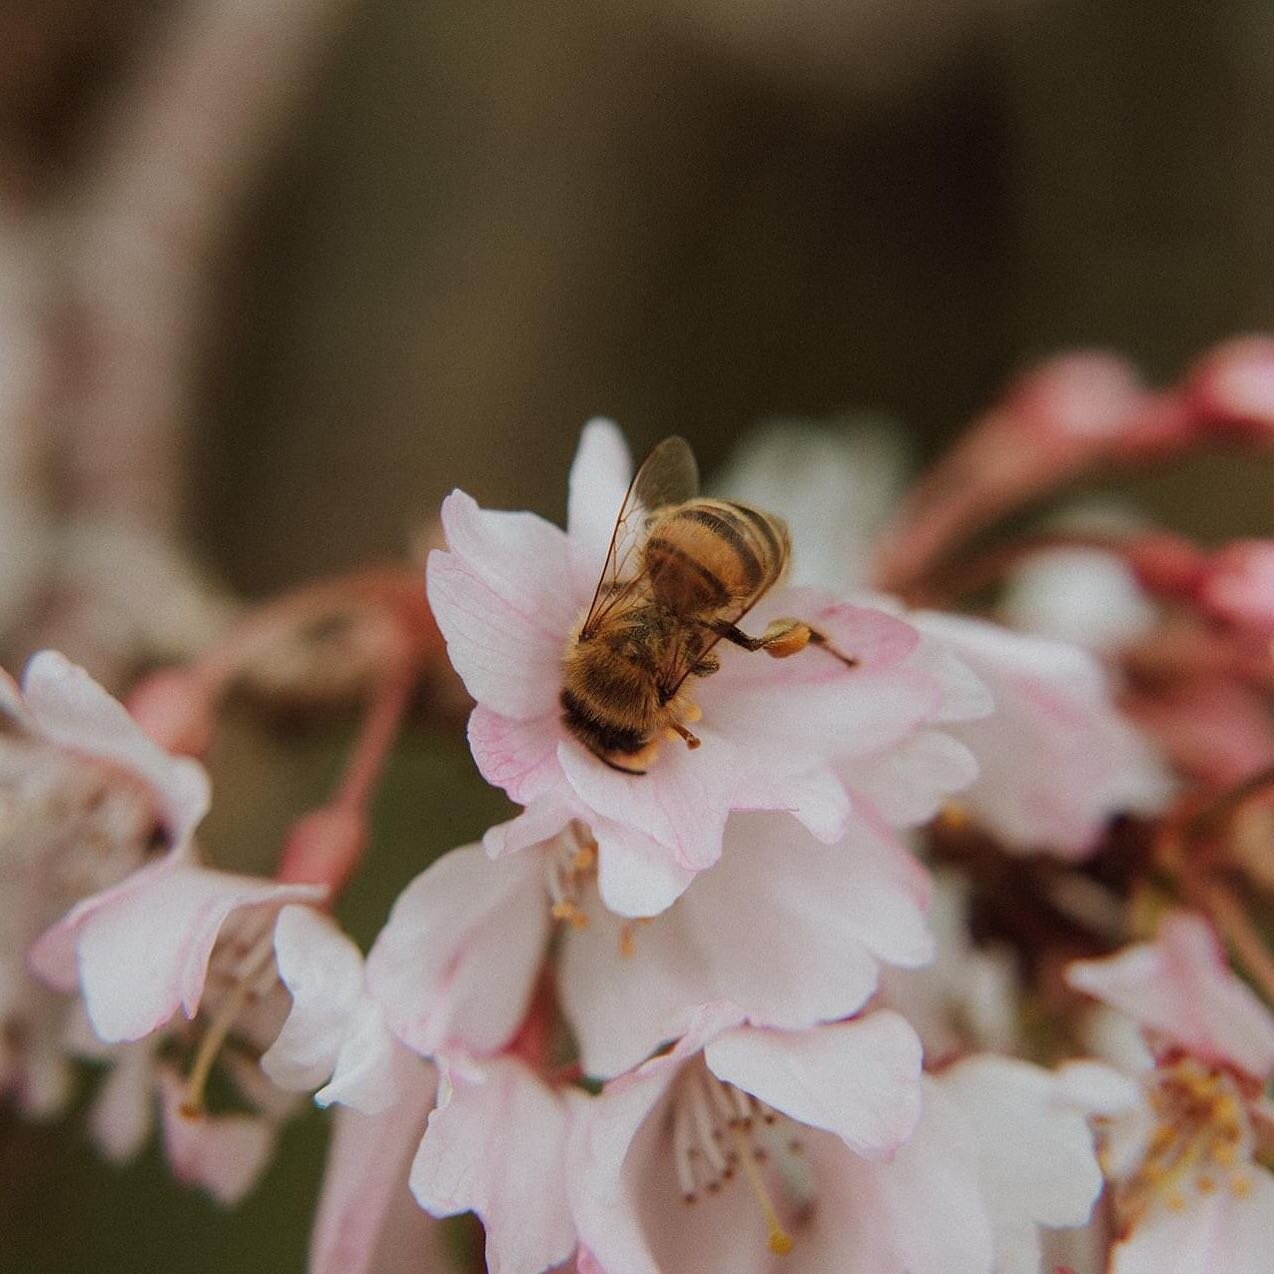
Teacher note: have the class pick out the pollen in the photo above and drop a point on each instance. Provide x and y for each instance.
(720, 1133)
(1202, 1127)
(571, 868)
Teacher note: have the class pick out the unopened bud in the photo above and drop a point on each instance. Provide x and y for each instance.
(1238, 587)
(172, 706)
(1167, 565)
(1231, 390)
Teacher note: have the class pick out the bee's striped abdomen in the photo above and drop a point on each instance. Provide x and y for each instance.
(713, 555)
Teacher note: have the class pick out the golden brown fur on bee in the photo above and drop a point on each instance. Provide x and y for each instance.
(702, 562)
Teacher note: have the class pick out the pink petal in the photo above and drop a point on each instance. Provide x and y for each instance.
(1038, 1164)
(522, 559)
(374, 1069)
(909, 783)
(496, 1145)
(74, 712)
(323, 971)
(859, 1079)
(820, 917)
(1180, 986)
(506, 656)
(919, 1213)
(365, 1196)
(816, 798)
(599, 481)
(681, 803)
(1216, 1232)
(542, 819)
(519, 756)
(635, 875)
(224, 1154)
(459, 956)
(142, 948)
(605, 1153)
(121, 1115)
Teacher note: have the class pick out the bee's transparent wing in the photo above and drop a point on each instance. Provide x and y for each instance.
(668, 475)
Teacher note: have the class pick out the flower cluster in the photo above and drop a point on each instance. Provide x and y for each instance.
(793, 996)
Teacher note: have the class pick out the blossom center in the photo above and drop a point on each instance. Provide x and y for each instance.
(1200, 1141)
(720, 1132)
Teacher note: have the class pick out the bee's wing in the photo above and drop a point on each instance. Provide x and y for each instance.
(668, 475)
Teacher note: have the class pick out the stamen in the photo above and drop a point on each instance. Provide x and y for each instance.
(780, 1241)
(223, 1020)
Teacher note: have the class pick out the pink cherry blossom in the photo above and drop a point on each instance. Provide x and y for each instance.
(665, 1171)
(1180, 1136)
(507, 593)
(1057, 760)
(1231, 389)
(456, 964)
(84, 798)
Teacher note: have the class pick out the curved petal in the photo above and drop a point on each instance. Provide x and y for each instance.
(1180, 985)
(919, 1213)
(518, 756)
(520, 557)
(142, 948)
(323, 971)
(496, 1145)
(366, 1183)
(681, 803)
(1038, 1164)
(506, 657)
(374, 1069)
(71, 710)
(599, 481)
(458, 958)
(820, 917)
(635, 875)
(909, 783)
(542, 819)
(859, 1079)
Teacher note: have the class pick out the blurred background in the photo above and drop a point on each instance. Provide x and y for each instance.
(275, 276)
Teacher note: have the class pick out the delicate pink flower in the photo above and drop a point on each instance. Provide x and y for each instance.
(456, 964)
(742, 1143)
(1180, 1137)
(85, 799)
(1057, 760)
(496, 1145)
(1238, 586)
(507, 594)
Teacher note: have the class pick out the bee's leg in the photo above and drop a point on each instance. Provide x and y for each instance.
(784, 637)
(706, 666)
(692, 740)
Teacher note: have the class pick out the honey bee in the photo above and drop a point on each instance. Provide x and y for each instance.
(681, 571)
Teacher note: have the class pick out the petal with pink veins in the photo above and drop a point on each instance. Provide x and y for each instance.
(506, 659)
(496, 1145)
(1180, 986)
(682, 802)
(456, 962)
(859, 1079)
(519, 756)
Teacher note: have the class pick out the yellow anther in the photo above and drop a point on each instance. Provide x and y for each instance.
(954, 815)
(1223, 1153)
(1206, 1184)
(585, 858)
(780, 1241)
(1240, 1185)
(1176, 1202)
(571, 913)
